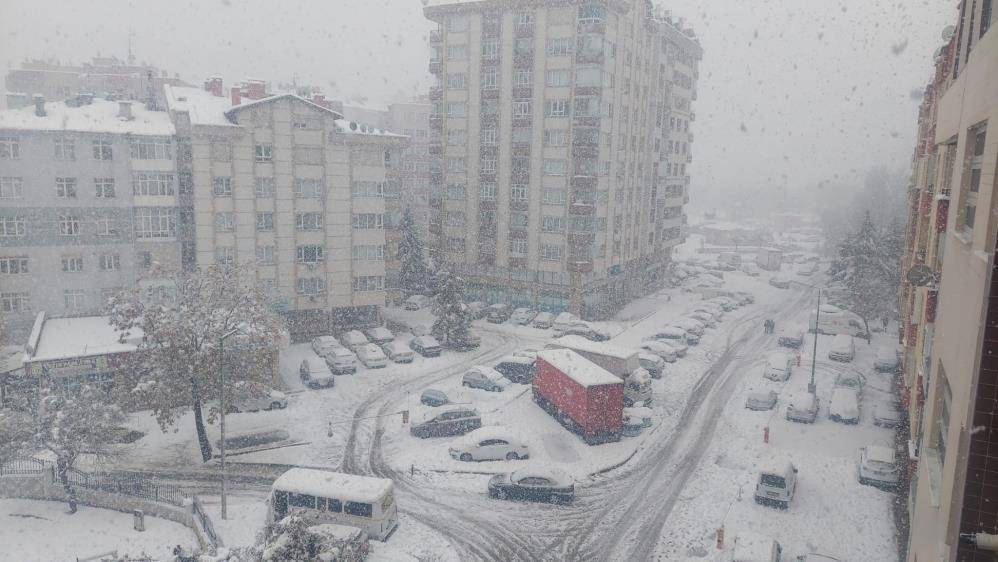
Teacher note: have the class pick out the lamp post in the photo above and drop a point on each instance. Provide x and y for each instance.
(221, 403)
(811, 387)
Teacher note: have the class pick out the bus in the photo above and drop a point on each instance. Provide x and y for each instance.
(323, 496)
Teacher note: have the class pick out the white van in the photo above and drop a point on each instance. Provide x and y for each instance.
(776, 484)
(778, 367)
(752, 547)
(835, 320)
(843, 349)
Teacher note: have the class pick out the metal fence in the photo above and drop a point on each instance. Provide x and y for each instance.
(128, 486)
(23, 466)
(206, 524)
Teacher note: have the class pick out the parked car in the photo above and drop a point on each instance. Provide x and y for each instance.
(779, 282)
(447, 420)
(761, 400)
(491, 443)
(272, 400)
(420, 330)
(661, 349)
(886, 415)
(498, 313)
(779, 366)
(815, 557)
(427, 346)
(691, 325)
(679, 348)
(353, 340)
(670, 333)
(886, 360)
(543, 320)
(398, 352)
(314, 373)
(478, 309)
(750, 269)
(322, 345)
(341, 361)
(371, 356)
(484, 378)
(790, 336)
(752, 547)
(803, 408)
(744, 297)
(852, 380)
(528, 352)
(470, 341)
(585, 330)
(776, 483)
(878, 467)
(843, 348)
(844, 407)
(523, 316)
(417, 302)
(654, 364)
(727, 304)
(433, 397)
(564, 320)
(533, 484)
(517, 369)
(703, 316)
(379, 335)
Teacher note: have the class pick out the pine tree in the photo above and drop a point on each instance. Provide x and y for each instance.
(867, 269)
(413, 272)
(453, 324)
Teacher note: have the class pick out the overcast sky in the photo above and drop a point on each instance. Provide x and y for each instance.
(819, 93)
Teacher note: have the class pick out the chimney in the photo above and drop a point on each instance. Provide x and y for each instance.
(214, 85)
(256, 89)
(236, 96)
(125, 110)
(39, 105)
(320, 99)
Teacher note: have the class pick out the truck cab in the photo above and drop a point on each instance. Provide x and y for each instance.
(637, 388)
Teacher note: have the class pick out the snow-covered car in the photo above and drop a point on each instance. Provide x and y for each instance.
(750, 269)
(379, 335)
(353, 340)
(585, 330)
(523, 316)
(815, 557)
(803, 408)
(744, 297)
(420, 330)
(341, 361)
(314, 373)
(543, 320)
(704, 316)
(886, 360)
(533, 484)
(272, 400)
(484, 378)
(679, 348)
(398, 352)
(322, 345)
(713, 308)
(670, 333)
(490, 443)
(779, 366)
(661, 349)
(564, 320)
(517, 369)
(886, 415)
(434, 397)
(371, 356)
(478, 309)
(527, 352)
(447, 420)
(753, 547)
(843, 348)
(761, 400)
(427, 346)
(790, 336)
(692, 326)
(726, 304)
(654, 364)
(469, 342)
(498, 313)
(851, 380)
(776, 483)
(779, 282)
(844, 407)
(878, 467)
(417, 302)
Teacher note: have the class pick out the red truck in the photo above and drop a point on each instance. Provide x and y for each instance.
(581, 395)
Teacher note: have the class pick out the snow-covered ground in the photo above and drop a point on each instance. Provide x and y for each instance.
(43, 531)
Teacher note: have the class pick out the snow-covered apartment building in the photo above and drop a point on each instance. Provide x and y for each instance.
(950, 320)
(564, 132)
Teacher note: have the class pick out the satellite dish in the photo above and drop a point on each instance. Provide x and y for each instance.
(948, 32)
(921, 275)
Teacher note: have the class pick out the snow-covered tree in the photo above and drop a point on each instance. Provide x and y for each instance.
(176, 368)
(453, 324)
(868, 269)
(295, 539)
(413, 272)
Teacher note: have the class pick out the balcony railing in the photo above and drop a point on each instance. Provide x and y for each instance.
(436, 66)
(436, 36)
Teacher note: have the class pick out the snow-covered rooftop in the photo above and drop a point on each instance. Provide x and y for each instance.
(752, 547)
(326, 484)
(578, 368)
(100, 116)
(579, 342)
(64, 338)
(203, 107)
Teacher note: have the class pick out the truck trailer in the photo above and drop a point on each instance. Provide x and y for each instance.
(622, 362)
(584, 397)
(769, 259)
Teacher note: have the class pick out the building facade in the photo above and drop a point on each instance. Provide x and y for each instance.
(88, 203)
(563, 136)
(950, 339)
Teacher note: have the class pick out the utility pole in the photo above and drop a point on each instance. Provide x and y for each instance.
(814, 354)
(221, 404)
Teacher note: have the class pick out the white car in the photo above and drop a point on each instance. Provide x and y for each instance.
(272, 400)
(485, 378)
(844, 407)
(543, 320)
(692, 326)
(398, 352)
(851, 380)
(843, 348)
(703, 316)
(353, 340)
(878, 467)
(886, 415)
(314, 373)
(679, 348)
(371, 356)
(654, 364)
(491, 443)
(779, 366)
(803, 408)
(777, 483)
(380, 335)
(780, 283)
(341, 361)
(761, 400)
(886, 361)
(670, 333)
(523, 316)
(661, 349)
(322, 345)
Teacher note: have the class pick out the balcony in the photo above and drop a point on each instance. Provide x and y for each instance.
(589, 90)
(435, 148)
(488, 119)
(436, 94)
(491, 26)
(584, 149)
(519, 205)
(524, 30)
(436, 36)
(488, 62)
(589, 57)
(523, 121)
(486, 205)
(585, 121)
(592, 26)
(436, 121)
(584, 182)
(436, 66)
(521, 149)
(517, 232)
(487, 230)
(582, 208)
(517, 262)
(488, 151)
(523, 92)
(490, 93)
(575, 266)
(523, 59)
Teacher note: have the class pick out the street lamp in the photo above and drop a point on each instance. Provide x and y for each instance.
(221, 403)
(811, 387)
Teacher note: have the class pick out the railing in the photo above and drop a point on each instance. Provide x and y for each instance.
(127, 486)
(24, 467)
(206, 524)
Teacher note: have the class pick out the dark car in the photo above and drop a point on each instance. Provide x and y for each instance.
(451, 421)
(498, 313)
(434, 397)
(427, 346)
(533, 484)
(471, 341)
(517, 369)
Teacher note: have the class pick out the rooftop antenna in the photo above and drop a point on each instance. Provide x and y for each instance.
(131, 57)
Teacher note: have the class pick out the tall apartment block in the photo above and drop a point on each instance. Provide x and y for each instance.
(563, 132)
(950, 319)
(412, 119)
(287, 187)
(89, 200)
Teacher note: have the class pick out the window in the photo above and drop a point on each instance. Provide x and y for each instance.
(457, 109)
(455, 137)
(104, 188)
(11, 187)
(73, 298)
(265, 255)
(457, 24)
(225, 255)
(109, 262)
(488, 191)
(358, 509)
(367, 283)
(311, 286)
(220, 150)
(490, 79)
(455, 192)
(560, 46)
(457, 81)
(522, 78)
(973, 186)
(221, 186)
(10, 148)
(519, 220)
(555, 167)
(490, 49)
(557, 78)
(308, 221)
(366, 221)
(263, 153)
(455, 165)
(556, 108)
(552, 224)
(308, 155)
(103, 150)
(264, 187)
(555, 137)
(65, 149)
(550, 252)
(309, 254)
(587, 106)
(488, 165)
(14, 265)
(72, 264)
(521, 135)
(65, 188)
(521, 108)
(520, 164)
(457, 52)
(519, 192)
(308, 188)
(391, 189)
(15, 302)
(155, 222)
(106, 227)
(154, 184)
(69, 225)
(151, 149)
(554, 196)
(225, 222)
(517, 247)
(265, 221)
(454, 218)
(490, 137)
(985, 17)
(368, 253)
